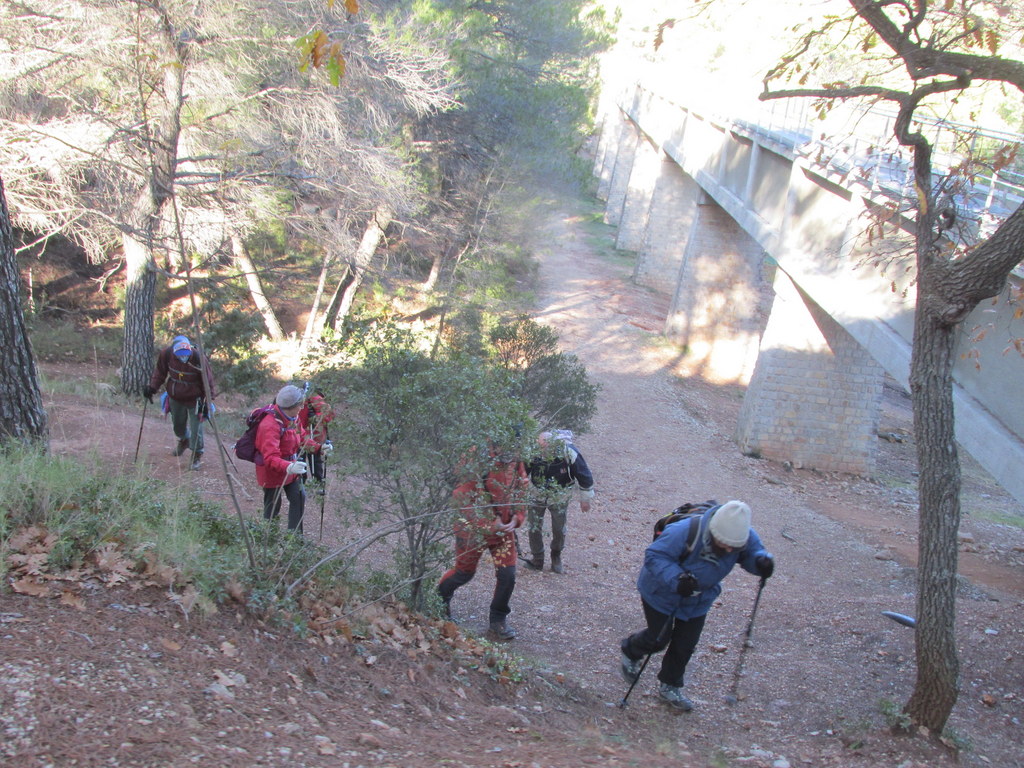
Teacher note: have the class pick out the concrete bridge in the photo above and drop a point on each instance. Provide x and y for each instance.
(778, 281)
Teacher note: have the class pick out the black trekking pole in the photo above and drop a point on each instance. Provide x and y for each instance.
(661, 636)
(145, 403)
(733, 696)
(322, 491)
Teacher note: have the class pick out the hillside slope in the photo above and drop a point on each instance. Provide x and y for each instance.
(127, 678)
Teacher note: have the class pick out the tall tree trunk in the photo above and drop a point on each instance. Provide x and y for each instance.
(252, 279)
(315, 322)
(21, 404)
(144, 220)
(331, 312)
(372, 236)
(931, 387)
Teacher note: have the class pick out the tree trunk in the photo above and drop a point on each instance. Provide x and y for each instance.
(22, 416)
(252, 279)
(931, 391)
(331, 313)
(144, 220)
(931, 387)
(435, 271)
(315, 323)
(372, 236)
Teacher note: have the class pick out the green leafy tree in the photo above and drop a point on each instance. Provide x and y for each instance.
(553, 384)
(415, 421)
(920, 56)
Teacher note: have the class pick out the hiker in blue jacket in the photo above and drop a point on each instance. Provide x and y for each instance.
(680, 580)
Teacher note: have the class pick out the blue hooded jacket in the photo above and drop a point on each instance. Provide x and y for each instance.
(662, 568)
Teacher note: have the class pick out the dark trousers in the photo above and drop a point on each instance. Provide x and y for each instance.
(296, 494)
(315, 463)
(468, 550)
(679, 635)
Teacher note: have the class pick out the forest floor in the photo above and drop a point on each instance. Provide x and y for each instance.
(124, 677)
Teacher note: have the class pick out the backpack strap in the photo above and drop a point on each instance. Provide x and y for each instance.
(696, 532)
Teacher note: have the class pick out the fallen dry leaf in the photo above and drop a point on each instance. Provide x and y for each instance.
(29, 586)
(67, 597)
(169, 645)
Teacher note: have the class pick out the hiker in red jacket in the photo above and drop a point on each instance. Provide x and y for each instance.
(279, 473)
(489, 512)
(315, 446)
(181, 368)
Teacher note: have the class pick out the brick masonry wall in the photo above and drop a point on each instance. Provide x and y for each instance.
(673, 206)
(815, 396)
(628, 139)
(722, 298)
(643, 177)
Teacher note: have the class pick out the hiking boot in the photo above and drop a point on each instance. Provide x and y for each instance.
(500, 630)
(673, 695)
(631, 668)
(556, 564)
(181, 447)
(197, 461)
(534, 563)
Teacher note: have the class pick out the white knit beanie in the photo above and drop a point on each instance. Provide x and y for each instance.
(730, 524)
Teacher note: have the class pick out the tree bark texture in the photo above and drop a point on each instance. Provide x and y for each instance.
(22, 415)
(252, 279)
(372, 236)
(144, 220)
(931, 387)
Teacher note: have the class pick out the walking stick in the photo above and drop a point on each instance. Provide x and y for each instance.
(661, 636)
(322, 491)
(733, 696)
(145, 402)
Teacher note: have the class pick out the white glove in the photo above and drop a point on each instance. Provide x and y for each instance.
(297, 468)
(326, 449)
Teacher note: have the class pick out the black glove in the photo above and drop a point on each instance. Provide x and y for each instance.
(765, 565)
(148, 392)
(202, 409)
(686, 585)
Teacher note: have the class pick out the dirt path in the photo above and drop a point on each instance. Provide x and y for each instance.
(823, 663)
(824, 657)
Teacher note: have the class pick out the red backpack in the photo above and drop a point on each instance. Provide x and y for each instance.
(245, 447)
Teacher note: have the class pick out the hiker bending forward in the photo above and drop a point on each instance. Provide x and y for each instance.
(678, 586)
(277, 441)
(555, 473)
(489, 511)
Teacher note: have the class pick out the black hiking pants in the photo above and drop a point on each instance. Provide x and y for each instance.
(680, 636)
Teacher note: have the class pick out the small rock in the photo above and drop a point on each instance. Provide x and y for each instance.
(781, 763)
(219, 690)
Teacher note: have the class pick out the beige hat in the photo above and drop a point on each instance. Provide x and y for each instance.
(730, 524)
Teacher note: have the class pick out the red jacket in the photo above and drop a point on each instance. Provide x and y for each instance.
(277, 439)
(313, 419)
(184, 382)
(501, 495)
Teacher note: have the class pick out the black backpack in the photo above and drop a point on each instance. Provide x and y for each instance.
(685, 512)
(245, 447)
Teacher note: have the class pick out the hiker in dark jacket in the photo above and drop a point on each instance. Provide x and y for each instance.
(677, 589)
(554, 474)
(181, 369)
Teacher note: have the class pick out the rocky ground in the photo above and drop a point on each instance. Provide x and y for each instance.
(127, 677)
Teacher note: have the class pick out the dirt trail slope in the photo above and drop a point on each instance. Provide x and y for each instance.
(824, 657)
(126, 679)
